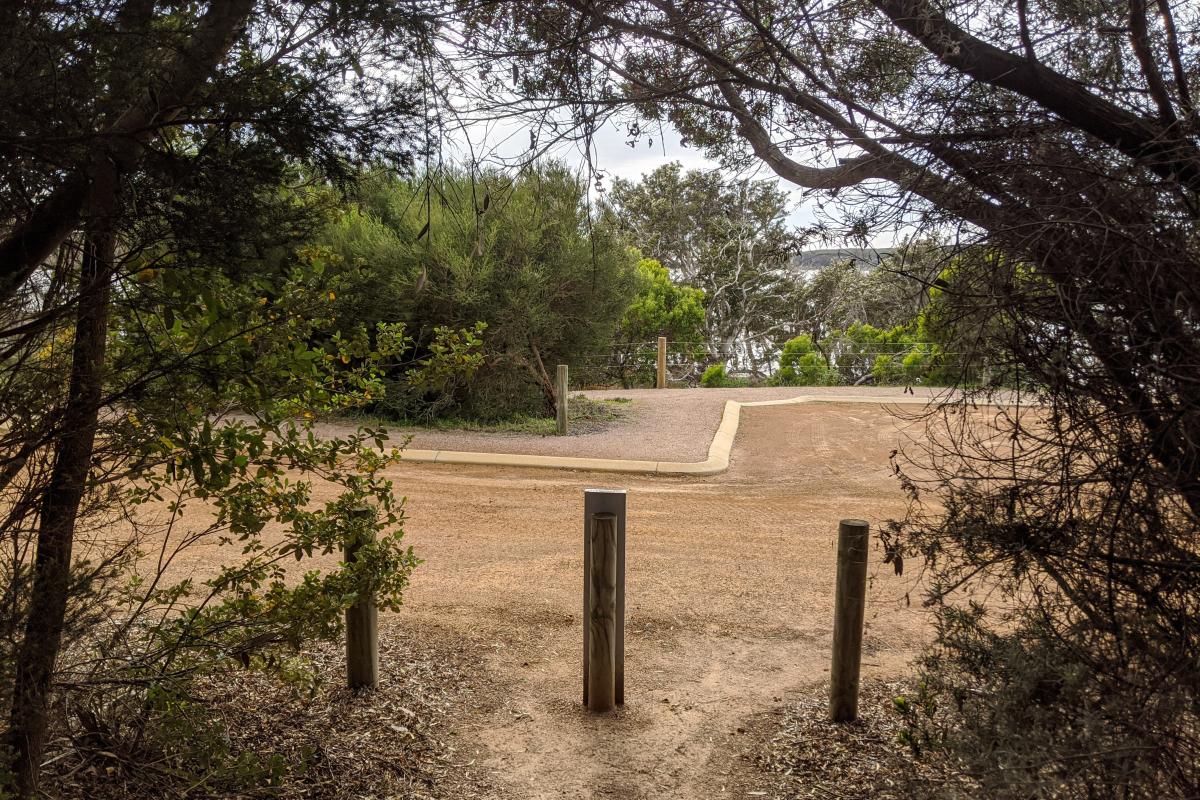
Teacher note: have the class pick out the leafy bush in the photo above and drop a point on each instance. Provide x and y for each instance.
(801, 365)
(230, 465)
(660, 307)
(520, 255)
(715, 377)
(1025, 715)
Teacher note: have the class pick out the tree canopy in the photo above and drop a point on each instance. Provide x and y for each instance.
(728, 238)
(157, 166)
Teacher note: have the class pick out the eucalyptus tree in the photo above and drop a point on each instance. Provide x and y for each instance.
(729, 238)
(1064, 140)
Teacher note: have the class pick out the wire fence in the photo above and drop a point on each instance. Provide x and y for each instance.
(834, 363)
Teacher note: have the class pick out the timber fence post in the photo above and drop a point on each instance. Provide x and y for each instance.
(603, 598)
(602, 621)
(362, 619)
(560, 391)
(661, 381)
(849, 609)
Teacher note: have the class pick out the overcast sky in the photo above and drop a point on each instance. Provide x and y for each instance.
(472, 134)
(499, 143)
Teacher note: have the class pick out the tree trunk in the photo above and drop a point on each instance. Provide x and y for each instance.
(538, 369)
(42, 639)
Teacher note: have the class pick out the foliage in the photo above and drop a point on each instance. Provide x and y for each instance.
(1028, 689)
(518, 254)
(801, 365)
(891, 293)
(715, 377)
(863, 352)
(160, 331)
(146, 631)
(728, 238)
(255, 479)
(660, 307)
(663, 308)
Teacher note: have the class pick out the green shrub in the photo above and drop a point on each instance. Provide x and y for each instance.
(801, 365)
(660, 307)
(715, 377)
(518, 254)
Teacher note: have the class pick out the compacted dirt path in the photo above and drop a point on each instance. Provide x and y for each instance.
(730, 581)
(729, 587)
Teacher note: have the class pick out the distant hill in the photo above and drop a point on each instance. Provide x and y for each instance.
(863, 257)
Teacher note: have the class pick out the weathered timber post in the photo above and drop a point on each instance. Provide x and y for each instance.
(849, 606)
(602, 621)
(560, 393)
(662, 363)
(603, 503)
(362, 618)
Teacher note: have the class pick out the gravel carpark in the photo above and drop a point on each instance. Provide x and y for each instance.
(658, 424)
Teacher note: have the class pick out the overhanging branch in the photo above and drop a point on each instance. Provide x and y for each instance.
(849, 173)
(1165, 154)
(118, 151)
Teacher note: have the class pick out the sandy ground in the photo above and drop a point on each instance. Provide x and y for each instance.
(729, 588)
(730, 581)
(659, 425)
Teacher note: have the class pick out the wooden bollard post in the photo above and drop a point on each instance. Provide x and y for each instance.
(849, 607)
(602, 620)
(598, 503)
(362, 618)
(560, 392)
(662, 363)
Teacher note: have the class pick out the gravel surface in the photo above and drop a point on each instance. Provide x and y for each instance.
(659, 425)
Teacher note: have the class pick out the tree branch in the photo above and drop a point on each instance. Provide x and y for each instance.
(120, 148)
(849, 173)
(1139, 34)
(1181, 78)
(1166, 155)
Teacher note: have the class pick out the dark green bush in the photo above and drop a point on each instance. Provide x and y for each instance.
(519, 254)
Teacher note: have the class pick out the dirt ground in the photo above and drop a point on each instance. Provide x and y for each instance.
(729, 615)
(729, 587)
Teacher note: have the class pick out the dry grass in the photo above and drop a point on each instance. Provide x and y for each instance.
(804, 755)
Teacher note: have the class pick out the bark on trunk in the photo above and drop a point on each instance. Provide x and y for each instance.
(544, 380)
(68, 480)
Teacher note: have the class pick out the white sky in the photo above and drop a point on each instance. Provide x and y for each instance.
(504, 142)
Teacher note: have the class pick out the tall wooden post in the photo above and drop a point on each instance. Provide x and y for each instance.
(849, 607)
(598, 503)
(602, 620)
(560, 392)
(362, 619)
(662, 363)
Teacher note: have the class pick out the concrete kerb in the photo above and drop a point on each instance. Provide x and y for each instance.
(718, 450)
